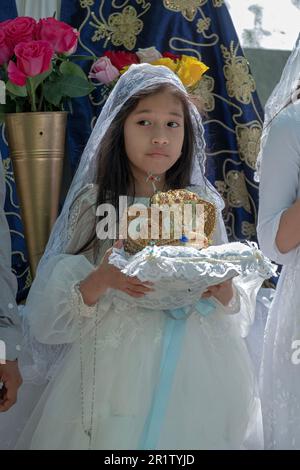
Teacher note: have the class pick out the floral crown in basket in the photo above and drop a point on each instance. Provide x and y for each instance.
(168, 222)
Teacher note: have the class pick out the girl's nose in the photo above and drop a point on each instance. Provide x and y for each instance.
(160, 140)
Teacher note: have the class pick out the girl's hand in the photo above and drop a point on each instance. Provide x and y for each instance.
(222, 292)
(11, 378)
(108, 276)
(113, 278)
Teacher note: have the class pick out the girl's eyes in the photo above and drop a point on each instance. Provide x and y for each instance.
(144, 122)
(171, 124)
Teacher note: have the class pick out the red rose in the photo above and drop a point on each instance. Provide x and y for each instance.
(33, 58)
(172, 56)
(20, 29)
(4, 23)
(62, 36)
(121, 58)
(6, 51)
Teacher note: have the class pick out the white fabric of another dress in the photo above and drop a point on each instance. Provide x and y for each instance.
(280, 377)
(38, 9)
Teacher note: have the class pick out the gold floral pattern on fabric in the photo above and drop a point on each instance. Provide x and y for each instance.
(218, 3)
(28, 280)
(6, 165)
(101, 32)
(203, 91)
(10, 182)
(203, 25)
(86, 3)
(237, 193)
(188, 8)
(234, 190)
(248, 140)
(221, 188)
(239, 81)
(143, 3)
(248, 230)
(122, 28)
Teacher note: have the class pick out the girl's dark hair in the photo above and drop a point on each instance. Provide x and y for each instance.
(114, 175)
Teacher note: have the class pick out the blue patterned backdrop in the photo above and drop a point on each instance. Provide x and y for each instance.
(233, 114)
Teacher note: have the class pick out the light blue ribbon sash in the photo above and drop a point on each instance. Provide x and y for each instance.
(171, 349)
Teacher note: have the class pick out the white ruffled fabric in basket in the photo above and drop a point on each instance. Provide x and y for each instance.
(181, 274)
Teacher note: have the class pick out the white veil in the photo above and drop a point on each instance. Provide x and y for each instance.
(283, 94)
(137, 78)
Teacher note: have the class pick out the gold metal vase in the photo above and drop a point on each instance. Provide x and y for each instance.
(36, 145)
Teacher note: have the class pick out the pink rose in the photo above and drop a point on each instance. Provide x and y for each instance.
(62, 36)
(20, 29)
(104, 71)
(5, 23)
(33, 58)
(6, 51)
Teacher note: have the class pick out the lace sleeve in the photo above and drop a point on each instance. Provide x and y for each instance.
(81, 218)
(83, 309)
(52, 305)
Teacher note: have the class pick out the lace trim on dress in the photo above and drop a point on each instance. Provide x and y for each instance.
(83, 309)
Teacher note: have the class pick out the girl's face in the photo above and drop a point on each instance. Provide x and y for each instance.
(154, 133)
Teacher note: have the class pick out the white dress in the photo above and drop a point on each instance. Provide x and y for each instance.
(212, 403)
(280, 377)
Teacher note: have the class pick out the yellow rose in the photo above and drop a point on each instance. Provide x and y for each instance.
(190, 70)
(167, 62)
(124, 69)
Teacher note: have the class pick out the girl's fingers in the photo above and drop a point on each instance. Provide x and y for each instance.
(206, 295)
(137, 282)
(214, 289)
(117, 244)
(133, 293)
(107, 255)
(139, 289)
(10, 396)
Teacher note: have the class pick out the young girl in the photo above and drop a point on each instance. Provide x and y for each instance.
(101, 393)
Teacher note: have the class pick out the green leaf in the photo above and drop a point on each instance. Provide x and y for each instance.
(74, 86)
(38, 79)
(16, 89)
(53, 93)
(68, 68)
(70, 86)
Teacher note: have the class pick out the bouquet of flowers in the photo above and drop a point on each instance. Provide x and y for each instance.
(36, 68)
(108, 68)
